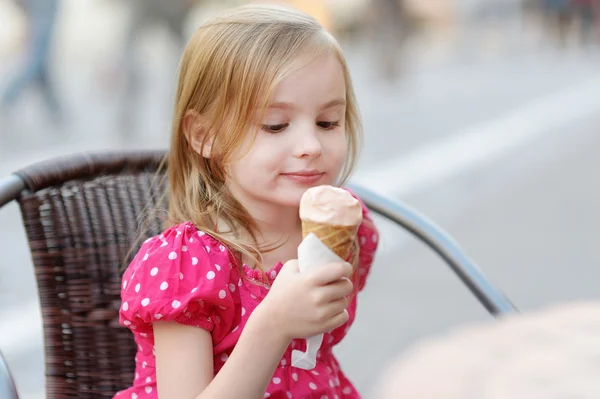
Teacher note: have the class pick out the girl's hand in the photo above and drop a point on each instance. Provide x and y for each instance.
(301, 305)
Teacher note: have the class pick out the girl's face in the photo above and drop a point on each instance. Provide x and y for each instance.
(301, 142)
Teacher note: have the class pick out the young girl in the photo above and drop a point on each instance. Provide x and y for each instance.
(264, 110)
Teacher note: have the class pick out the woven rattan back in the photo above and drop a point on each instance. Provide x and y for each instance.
(82, 217)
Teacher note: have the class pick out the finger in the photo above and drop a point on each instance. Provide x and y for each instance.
(334, 291)
(337, 320)
(329, 273)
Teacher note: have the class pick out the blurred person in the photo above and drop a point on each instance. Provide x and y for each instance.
(41, 17)
(550, 353)
(145, 14)
(588, 13)
(391, 27)
(264, 110)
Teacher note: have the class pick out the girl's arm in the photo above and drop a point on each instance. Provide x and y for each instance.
(184, 361)
(297, 305)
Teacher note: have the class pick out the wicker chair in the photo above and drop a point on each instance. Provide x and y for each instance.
(81, 215)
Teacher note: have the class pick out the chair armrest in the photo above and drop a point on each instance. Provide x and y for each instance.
(494, 300)
(10, 188)
(8, 390)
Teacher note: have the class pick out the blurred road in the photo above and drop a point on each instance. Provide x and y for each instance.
(496, 140)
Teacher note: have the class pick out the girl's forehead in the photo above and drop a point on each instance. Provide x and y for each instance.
(319, 80)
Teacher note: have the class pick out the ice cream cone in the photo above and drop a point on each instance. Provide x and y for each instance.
(339, 239)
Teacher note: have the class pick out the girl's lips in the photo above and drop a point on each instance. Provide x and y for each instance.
(304, 178)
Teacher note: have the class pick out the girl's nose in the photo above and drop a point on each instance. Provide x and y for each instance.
(308, 144)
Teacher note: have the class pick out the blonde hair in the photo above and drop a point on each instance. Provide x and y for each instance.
(229, 69)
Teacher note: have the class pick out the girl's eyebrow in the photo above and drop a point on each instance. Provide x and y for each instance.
(330, 104)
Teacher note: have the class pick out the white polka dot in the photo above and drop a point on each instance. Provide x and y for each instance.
(224, 357)
(144, 364)
(145, 257)
(164, 244)
(324, 397)
(145, 301)
(347, 391)
(158, 316)
(210, 275)
(194, 261)
(283, 362)
(137, 287)
(181, 276)
(315, 372)
(127, 322)
(329, 370)
(148, 380)
(295, 377)
(331, 383)
(273, 274)
(240, 282)
(221, 248)
(218, 267)
(201, 233)
(125, 306)
(191, 239)
(267, 394)
(164, 285)
(176, 304)
(312, 386)
(331, 338)
(184, 249)
(144, 335)
(362, 240)
(148, 390)
(235, 329)
(173, 255)
(137, 376)
(154, 271)
(289, 395)
(207, 248)
(231, 287)
(178, 233)
(134, 396)
(253, 296)
(124, 284)
(194, 289)
(222, 294)
(243, 311)
(276, 380)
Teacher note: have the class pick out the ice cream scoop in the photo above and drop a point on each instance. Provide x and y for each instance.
(333, 215)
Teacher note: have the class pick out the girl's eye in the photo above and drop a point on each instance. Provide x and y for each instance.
(275, 128)
(328, 125)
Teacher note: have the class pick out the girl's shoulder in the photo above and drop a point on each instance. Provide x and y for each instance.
(173, 275)
(182, 243)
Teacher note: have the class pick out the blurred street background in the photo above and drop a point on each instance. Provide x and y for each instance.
(482, 114)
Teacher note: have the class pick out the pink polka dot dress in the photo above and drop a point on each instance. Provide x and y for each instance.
(187, 276)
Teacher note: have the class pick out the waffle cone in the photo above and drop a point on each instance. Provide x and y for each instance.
(337, 238)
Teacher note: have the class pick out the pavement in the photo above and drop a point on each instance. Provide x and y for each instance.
(494, 138)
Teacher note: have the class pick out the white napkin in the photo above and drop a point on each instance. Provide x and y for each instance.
(312, 253)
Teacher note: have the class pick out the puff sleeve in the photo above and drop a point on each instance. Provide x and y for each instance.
(178, 276)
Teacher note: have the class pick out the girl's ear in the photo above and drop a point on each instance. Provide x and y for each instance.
(195, 131)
